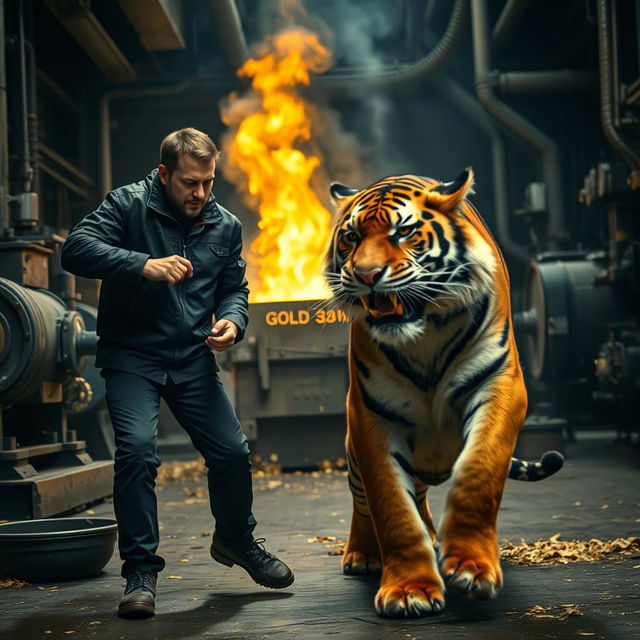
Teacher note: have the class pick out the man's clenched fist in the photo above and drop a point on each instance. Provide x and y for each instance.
(171, 269)
(223, 335)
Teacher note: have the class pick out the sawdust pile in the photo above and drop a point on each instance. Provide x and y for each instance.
(335, 547)
(542, 552)
(556, 551)
(188, 471)
(557, 612)
(195, 470)
(10, 583)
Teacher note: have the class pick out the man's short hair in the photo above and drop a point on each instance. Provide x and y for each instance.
(190, 141)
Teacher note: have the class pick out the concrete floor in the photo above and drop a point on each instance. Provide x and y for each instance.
(198, 598)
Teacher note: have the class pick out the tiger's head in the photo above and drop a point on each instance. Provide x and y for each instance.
(400, 249)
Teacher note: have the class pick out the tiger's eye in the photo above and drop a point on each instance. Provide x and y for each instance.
(351, 236)
(403, 232)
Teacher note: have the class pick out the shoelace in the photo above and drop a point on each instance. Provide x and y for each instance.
(140, 580)
(258, 545)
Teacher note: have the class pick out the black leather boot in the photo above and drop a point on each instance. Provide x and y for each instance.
(139, 599)
(261, 565)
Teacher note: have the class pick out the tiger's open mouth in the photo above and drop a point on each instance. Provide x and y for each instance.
(378, 305)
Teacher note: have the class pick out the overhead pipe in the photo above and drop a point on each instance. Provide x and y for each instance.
(415, 72)
(23, 171)
(551, 167)
(469, 107)
(229, 29)
(607, 87)
(564, 81)
(5, 221)
(506, 23)
(227, 26)
(32, 113)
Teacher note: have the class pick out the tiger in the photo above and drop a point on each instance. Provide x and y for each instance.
(436, 388)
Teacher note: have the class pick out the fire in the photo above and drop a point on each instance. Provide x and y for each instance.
(269, 149)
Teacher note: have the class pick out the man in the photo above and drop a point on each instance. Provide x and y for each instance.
(169, 259)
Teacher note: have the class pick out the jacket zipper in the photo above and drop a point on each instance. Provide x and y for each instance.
(180, 290)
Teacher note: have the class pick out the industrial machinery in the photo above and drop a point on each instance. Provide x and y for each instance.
(45, 468)
(290, 379)
(581, 307)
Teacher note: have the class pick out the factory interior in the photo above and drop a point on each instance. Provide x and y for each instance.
(541, 99)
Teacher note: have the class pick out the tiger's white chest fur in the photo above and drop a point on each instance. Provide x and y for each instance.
(421, 424)
(425, 416)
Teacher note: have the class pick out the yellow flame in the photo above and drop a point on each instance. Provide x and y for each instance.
(294, 227)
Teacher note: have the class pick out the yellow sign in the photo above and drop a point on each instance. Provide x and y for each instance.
(302, 316)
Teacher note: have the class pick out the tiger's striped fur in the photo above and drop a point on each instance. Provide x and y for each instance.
(436, 388)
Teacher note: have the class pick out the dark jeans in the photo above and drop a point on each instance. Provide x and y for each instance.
(203, 410)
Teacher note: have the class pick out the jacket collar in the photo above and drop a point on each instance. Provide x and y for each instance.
(158, 200)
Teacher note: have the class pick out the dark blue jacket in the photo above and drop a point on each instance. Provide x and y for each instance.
(154, 328)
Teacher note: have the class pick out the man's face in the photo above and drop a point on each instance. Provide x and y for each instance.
(189, 185)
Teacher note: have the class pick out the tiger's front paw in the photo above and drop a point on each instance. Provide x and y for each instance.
(476, 575)
(358, 563)
(410, 599)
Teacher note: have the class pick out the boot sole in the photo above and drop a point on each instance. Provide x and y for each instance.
(228, 562)
(134, 610)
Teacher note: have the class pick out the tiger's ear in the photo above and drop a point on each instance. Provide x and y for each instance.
(451, 194)
(339, 191)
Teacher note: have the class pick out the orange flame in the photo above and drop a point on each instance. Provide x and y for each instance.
(294, 226)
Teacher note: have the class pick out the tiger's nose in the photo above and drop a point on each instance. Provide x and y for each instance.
(369, 277)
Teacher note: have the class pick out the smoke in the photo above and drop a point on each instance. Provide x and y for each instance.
(356, 33)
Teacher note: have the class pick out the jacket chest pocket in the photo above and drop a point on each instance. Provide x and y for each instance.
(219, 250)
(212, 255)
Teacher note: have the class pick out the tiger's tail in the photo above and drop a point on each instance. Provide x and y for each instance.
(549, 463)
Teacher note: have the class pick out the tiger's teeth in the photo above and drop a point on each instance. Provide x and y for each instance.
(365, 303)
(397, 305)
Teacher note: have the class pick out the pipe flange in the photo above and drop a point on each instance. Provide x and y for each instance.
(71, 327)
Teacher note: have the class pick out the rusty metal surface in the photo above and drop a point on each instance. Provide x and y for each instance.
(291, 365)
(198, 598)
(51, 492)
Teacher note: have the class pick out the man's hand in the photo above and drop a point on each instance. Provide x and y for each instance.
(223, 335)
(171, 269)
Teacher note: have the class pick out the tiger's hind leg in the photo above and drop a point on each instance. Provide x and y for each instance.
(425, 513)
(361, 554)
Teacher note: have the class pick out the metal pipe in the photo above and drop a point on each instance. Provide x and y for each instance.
(565, 81)
(227, 26)
(24, 172)
(551, 168)
(229, 29)
(32, 113)
(469, 107)
(615, 67)
(505, 25)
(421, 69)
(606, 89)
(4, 148)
